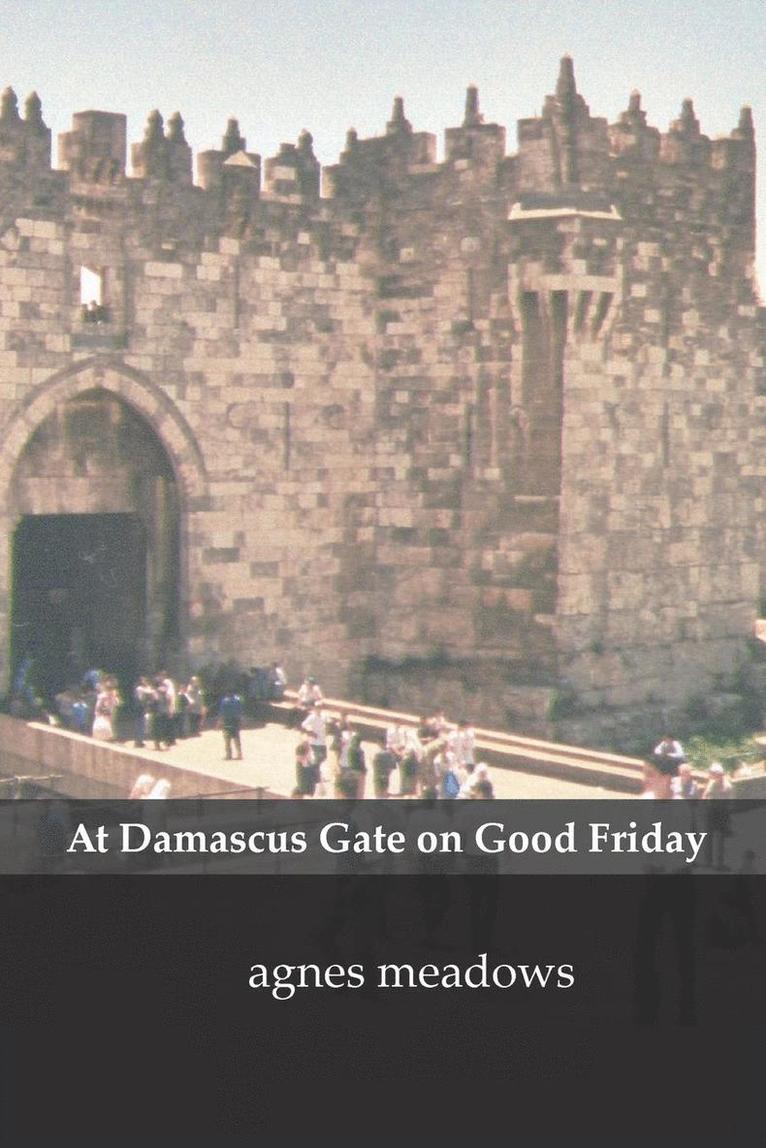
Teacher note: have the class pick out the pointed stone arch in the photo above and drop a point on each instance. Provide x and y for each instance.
(82, 382)
(135, 389)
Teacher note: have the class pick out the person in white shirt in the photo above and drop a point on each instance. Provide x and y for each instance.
(462, 742)
(277, 681)
(308, 694)
(472, 786)
(396, 738)
(172, 708)
(315, 725)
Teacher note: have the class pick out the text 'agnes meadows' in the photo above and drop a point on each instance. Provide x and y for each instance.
(282, 981)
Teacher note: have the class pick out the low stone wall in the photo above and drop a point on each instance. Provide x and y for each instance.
(91, 768)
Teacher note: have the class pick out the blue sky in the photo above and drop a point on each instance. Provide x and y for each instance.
(283, 65)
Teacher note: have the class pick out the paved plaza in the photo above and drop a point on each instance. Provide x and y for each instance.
(269, 763)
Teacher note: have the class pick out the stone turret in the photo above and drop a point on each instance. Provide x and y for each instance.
(163, 155)
(233, 172)
(744, 129)
(566, 149)
(292, 176)
(398, 124)
(483, 144)
(25, 143)
(233, 141)
(179, 153)
(150, 157)
(631, 137)
(383, 163)
(94, 150)
(684, 142)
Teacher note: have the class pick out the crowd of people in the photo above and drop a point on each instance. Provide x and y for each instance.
(668, 775)
(162, 710)
(158, 708)
(436, 759)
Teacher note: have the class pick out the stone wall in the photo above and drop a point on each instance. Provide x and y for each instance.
(496, 414)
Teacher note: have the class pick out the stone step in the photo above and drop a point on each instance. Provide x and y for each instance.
(513, 751)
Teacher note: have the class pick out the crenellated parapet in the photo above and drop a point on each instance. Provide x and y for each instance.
(163, 155)
(94, 150)
(231, 166)
(565, 147)
(382, 164)
(293, 175)
(25, 143)
(631, 139)
(231, 176)
(566, 156)
(475, 142)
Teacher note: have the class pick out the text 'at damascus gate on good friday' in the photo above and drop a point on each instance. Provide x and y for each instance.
(339, 837)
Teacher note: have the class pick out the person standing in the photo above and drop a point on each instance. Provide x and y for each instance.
(409, 767)
(277, 682)
(172, 709)
(339, 730)
(668, 755)
(357, 764)
(383, 765)
(462, 742)
(107, 704)
(719, 785)
(396, 739)
(315, 725)
(144, 696)
(478, 784)
(230, 719)
(308, 695)
(161, 721)
(195, 705)
(306, 773)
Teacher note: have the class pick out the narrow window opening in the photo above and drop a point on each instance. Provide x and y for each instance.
(92, 302)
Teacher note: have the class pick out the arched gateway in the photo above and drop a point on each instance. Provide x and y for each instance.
(98, 471)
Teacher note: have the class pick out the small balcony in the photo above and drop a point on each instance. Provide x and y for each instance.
(97, 332)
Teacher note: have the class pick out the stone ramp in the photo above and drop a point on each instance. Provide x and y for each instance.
(506, 750)
(196, 769)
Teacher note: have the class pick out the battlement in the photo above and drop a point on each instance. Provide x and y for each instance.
(24, 143)
(562, 149)
(94, 150)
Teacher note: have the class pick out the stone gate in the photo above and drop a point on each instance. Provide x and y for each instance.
(483, 430)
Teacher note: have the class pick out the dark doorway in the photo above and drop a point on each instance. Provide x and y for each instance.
(79, 596)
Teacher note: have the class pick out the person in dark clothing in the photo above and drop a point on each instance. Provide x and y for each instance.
(383, 765)
(409, 768)
(230, 718)
(306, 770)
(356, 763)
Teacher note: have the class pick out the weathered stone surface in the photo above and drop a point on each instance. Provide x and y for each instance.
(509, 408)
